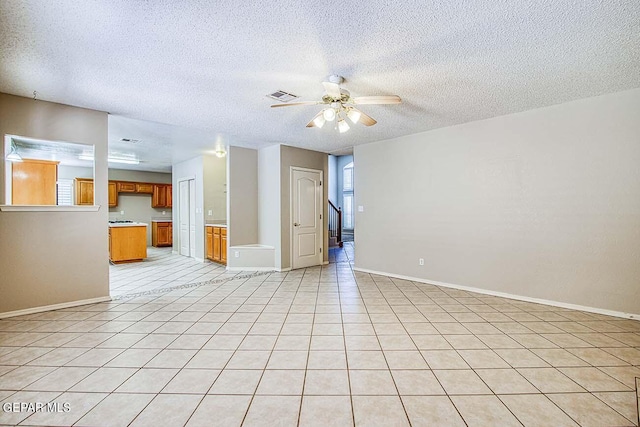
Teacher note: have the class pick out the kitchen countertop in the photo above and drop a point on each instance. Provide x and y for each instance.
(127, 224)
(216, 225)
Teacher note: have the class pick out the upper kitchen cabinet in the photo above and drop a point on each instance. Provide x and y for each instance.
(43, 173)
(84, 191)
(113, 194)
(162, 197)
(33, 182)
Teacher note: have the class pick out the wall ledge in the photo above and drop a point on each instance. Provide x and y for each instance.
(53, 307)
(49, 208)
(506, 295)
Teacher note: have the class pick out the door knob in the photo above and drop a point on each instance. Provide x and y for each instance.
(295, 224)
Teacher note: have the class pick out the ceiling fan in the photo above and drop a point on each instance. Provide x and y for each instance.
(340, 106)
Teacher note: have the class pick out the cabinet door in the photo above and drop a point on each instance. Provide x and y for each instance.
(216, 244)
(163, 234)
(159, 198)
(209, 243)
(143, 187)
(126, 187)
(113, 194)
(84, 191)
(223, 248)
(34, 182)
(169, 196)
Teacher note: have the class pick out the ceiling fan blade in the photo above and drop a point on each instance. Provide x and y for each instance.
(311, 124)
(290, 104)
(366, 119)
(333, 90)
(377, 99)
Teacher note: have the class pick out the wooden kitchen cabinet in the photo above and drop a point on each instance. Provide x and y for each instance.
(162, 233)
(84, 191)
(161, 197)
(33, 182)
(143, 187)
(209, 242)
(216, 244)
(126, 187)
(113, 194)
(127, 244)
(223, 246)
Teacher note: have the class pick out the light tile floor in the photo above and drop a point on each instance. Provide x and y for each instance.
(161, 269)
(320, 346)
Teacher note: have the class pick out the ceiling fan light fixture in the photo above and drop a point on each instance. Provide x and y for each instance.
(319, 121)
(220, 153)
(329, 114)
(354, 115)
(343, 126)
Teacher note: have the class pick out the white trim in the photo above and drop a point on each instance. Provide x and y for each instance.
(283, 270)
(49, 208)
(53, 307)
(199, 259)
(325, 262)
(506, 295)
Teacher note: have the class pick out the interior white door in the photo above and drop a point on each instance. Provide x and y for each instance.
(184, 217)
(192, 217)
(306, 203)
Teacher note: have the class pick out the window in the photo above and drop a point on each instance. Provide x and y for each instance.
(347, 177)
(65, 192)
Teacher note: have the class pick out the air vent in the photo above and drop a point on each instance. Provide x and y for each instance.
(132, 141)
(283, 96)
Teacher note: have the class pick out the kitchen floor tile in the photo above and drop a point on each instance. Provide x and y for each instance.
(587, 410)
(484, 411)
(382, 411)
(220, 411)
(426, 411)
(168, 410)
(461, 381)
(273, 410)
(412, 382)
(325, 411)
(536, 410)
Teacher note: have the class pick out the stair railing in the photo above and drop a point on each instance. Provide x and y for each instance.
(335, 223)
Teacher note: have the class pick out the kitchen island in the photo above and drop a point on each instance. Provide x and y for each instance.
(127, 241)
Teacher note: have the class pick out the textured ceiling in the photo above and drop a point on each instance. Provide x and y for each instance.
(208, 65)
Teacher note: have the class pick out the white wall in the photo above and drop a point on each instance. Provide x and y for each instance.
(541, 204)
(49, 258)
(189, 169)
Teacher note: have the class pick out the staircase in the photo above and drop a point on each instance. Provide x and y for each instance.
(335, 226)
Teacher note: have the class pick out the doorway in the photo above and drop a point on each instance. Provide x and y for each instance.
(306, 217)
(187, 217)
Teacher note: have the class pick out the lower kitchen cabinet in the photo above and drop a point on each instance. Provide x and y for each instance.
(127, 244)
(162, 233)
(216, 244)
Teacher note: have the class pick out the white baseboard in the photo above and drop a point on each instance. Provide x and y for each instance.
(282, 270)
(53, 307)
(506, 295)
